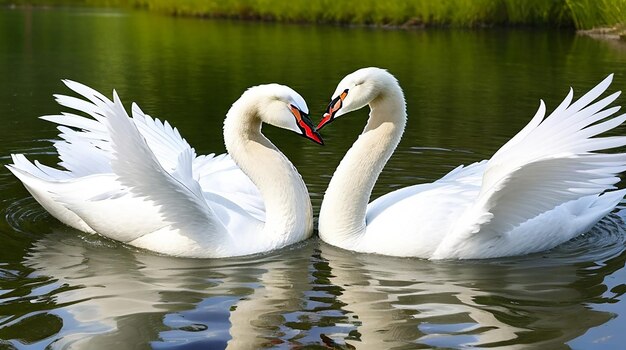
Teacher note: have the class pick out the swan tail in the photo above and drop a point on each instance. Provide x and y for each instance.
(551, 161)
(40, 182)
(588, 213)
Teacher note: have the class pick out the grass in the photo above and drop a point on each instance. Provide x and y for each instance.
(581, 14)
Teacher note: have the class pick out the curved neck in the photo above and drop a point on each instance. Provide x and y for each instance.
(342, 215)
(288, 212)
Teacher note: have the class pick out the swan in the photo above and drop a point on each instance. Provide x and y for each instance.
(137, 181)
(543, 187)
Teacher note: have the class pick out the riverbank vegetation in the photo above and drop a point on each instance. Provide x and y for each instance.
(580, 14)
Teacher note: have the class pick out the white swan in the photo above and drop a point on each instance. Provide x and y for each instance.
(136, 180)
(542, 188)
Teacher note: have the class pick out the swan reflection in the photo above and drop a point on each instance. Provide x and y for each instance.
(314, 293)
(539, 299)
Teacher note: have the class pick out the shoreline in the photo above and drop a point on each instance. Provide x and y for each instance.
(606, 33)
(401, 22)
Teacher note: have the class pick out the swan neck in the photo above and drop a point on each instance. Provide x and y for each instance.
(288, 212)
(343, 212)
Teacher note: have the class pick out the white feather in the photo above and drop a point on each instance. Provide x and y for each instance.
(546, 185)
(138, 181)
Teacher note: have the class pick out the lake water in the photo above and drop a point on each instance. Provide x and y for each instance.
(468, 91)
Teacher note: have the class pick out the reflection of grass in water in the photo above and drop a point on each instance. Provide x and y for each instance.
(580, 13)
(613, 32)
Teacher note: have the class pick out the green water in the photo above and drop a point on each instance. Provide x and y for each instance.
(467, 92)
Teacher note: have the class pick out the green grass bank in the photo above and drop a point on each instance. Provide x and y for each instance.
(580, 14)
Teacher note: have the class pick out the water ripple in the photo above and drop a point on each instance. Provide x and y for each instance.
(26, 216)
(604, 241)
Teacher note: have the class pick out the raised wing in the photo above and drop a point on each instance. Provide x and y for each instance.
(85, 149)
(179, 196)
(217, 175)
(150, 158)
(549, 162)
(162, 139)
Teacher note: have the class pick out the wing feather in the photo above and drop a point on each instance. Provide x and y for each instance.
(549, 162)
(86, 147)
(164, 140)
(215, 174)
(179, 196)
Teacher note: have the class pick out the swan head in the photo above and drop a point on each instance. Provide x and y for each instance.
(355, 91)
(281, 106)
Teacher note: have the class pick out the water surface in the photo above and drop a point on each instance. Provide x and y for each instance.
(467, 91)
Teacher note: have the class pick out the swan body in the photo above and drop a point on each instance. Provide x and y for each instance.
(542, 188)
(136, 180)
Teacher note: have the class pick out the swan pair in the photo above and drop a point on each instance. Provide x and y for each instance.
(136, 180)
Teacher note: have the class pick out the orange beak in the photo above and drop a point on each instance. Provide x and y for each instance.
(334, 106)
(306, 126)
(325, 120)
